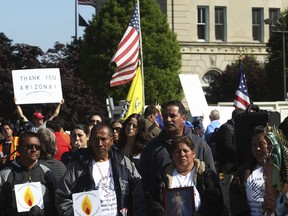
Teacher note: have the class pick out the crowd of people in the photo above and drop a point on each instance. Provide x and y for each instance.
(137, 167)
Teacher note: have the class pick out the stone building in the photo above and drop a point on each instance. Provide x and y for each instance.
(212, 33)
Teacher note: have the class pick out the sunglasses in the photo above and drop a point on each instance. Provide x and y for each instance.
(31, 146)
(95, 121)
(117, 129)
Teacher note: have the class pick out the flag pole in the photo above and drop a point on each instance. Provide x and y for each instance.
(240, 58)
(76, 3)
(141, 57)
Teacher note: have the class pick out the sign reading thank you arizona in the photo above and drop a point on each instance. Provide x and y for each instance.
(33, 86)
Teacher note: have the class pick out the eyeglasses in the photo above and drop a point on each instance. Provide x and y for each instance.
(95, 121)
(117, 129)
(31, 146)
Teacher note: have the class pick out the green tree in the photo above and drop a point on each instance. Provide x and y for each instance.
(77, 107)
(12, 57)
(224, 91)
(80, 102)
(274, 66)
(161, 51)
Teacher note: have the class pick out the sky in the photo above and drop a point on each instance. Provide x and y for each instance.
(41, 22)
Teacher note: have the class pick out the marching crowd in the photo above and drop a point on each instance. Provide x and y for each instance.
(138, 167)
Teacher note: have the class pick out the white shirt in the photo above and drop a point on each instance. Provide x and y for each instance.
(255, 191)
(179, 181)
(103, 178)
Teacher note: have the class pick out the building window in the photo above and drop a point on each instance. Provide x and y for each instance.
(212, 78)
(220, 23)
(274, 14)
(202, 23)
(257, 24)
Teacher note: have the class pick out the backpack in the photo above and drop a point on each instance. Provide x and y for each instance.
(212, 140)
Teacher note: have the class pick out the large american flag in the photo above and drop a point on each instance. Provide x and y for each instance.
(241, 96)
(87, 2)
(126, 56)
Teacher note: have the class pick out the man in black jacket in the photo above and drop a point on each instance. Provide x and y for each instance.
(25, 172)
(226, 145)
(102, 170)
(156, 154)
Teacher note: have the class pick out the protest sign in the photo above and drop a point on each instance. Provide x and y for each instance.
(194, 94)
(34, 86)
(28, 195)
(86, 203)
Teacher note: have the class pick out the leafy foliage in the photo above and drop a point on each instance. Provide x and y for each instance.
(229, 80)
(161, 52)
(79, 99)
(274, 66)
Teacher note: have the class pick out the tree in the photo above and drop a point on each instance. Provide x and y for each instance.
(79, 99)
(274, 66)
(12, 57)
(255, 74)
(161, 51)
(80, 102)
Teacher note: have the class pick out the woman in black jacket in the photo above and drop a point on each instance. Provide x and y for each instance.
(187, 171)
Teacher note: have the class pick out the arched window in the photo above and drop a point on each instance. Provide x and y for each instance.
(212, 77)
(212, 80)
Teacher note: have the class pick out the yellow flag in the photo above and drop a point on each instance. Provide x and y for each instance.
(134, 99)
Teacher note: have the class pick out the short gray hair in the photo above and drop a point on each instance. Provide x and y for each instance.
(48, 143)
(214, 115)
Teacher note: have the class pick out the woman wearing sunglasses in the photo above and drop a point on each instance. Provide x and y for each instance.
(116, 127)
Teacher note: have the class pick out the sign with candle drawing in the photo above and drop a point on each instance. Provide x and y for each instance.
(86, 203)
(34, 86)
(28, 195)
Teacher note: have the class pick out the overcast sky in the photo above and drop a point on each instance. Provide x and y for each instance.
(41, 22)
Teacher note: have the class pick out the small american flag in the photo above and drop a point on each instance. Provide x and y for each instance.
(241, 96)
(126, 56)
(87, 2)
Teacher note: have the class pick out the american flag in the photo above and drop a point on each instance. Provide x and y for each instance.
(126, 56)
(241, 96)
(87, 2)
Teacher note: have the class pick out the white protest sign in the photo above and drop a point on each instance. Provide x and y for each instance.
(33, 86)
(28, 195)
(86, 203)
(194, 94)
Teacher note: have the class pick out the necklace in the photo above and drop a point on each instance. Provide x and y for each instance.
(104, 181)
(102, 176)
(183, 181)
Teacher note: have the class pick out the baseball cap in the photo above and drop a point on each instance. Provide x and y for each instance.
(38, 115)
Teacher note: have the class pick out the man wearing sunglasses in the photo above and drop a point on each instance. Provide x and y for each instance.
(25, 172)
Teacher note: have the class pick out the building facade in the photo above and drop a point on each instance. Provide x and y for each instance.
(213, 33)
